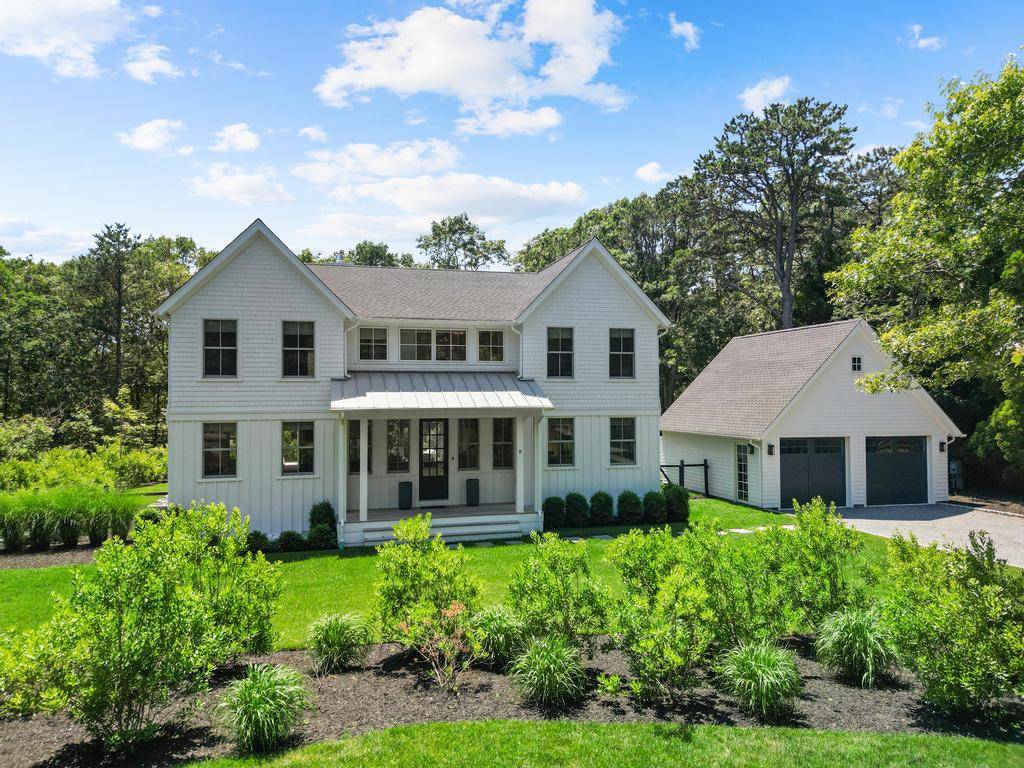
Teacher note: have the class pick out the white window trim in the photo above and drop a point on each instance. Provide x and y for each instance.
(608, 359)
(635, 463)
(478, 345)
(202, 350)
(201, 477)
(359, 346)
(574, 340)
(413, 359)
(547, 443)
(280, 350)
(433, 344)
(281, 475)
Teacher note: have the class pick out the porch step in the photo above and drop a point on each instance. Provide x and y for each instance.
(453, 529)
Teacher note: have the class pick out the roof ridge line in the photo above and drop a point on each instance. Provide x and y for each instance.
(797, 328)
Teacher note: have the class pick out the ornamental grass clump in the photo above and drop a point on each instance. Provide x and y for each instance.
(498, 635)
(549, 673)
(762, 676)
(338, 641)
(855, 645)
(262, 710)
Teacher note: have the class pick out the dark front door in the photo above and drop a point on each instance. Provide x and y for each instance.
(897, 470)
(433, 459)
(812, 466)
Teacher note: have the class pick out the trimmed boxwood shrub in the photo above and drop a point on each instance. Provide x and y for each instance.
(257, 541)
(630, 509)
(322, 513)
(677, 503)
(322, 536)
(654, 507)
(554, 512)
(577, 511)
(601, 508)
(291, 541)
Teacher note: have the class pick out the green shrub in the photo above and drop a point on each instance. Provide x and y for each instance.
(322, 536)
(601, 508)
(577, 511)
(677, 503)
(442, 640)
(262, 710)
(338, 641)
(630, 508)
(554, 512)
(291, 541)
(133, 467)
(25, 685)
(555, 592)
(497, 635)
(12, 524)
(549, 672)
(957, 620)
(762, 676)
(24, 437)
(664, 640)
(643, 560)
(654, 507)
(322, 513)
(39, 518)
(854, 644)
(257, 541)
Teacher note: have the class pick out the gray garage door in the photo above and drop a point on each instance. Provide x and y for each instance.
(812, 466)
(897, 470)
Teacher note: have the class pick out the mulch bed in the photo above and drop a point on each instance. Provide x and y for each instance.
(43, 558)
(999, 502)
(392, 689)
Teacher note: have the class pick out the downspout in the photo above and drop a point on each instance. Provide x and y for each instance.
(520, 335)
(344, 357)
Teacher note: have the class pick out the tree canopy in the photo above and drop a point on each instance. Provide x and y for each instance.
(455, 242)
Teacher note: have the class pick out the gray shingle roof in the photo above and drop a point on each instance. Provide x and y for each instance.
(750, 382)
(386, 293)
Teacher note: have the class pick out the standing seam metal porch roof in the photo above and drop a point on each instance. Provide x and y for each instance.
(435, 390)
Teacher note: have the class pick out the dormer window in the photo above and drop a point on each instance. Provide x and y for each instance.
(855, 364)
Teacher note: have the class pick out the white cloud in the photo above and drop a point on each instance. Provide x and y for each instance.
(144, 62)
(239, 184)
(916, 42)
(361, 226)
(218, 58)
(415, 117)
(313, 133)
(153, 11)
(687, 30)
(487, 65)
(865, 150)
(890, 107)
(235, 138)
(159, 135)
(917, 125)
(509, 122)
(24, 238)
(756, 97)
(361, 161)
(65, 35)
(651, 173)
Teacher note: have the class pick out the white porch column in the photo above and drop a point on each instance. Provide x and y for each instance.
(540, 425)
(341, 476)
(520, 465)
(364, 461)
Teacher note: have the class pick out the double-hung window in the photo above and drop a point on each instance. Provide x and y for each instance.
(373, 343)
(503, 452)
(491, 346)
(297, 448)
(560, 353)
(399, 438)
(220, 450)
(561, 442)
(220, 348)
(353, 447)
(623, 441)
(450, 345)
(297, 349)
(415, 344)
(469, 444)
(621, 353)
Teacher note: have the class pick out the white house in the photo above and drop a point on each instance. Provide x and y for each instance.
(387, 391)
(779, 416)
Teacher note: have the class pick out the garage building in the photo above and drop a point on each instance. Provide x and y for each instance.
(779, 416)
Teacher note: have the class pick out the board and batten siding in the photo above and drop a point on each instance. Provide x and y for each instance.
(833, 406)
(720, 453)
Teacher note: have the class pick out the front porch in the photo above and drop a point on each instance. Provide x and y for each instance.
(485, 522)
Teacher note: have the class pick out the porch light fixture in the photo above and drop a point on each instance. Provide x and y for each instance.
(771, 449)
(942, 446)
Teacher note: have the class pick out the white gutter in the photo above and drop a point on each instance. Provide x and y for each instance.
(344, 357)
(520, 335)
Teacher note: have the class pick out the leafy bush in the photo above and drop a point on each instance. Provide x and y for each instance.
(643, 560)
(577, 511)
(630, 508)
(322, 536)
(762, 676)
(25, 687)
(854, 644)
(554, 591)
(24, 437)
(497, 635)
(654, 507)
(554, 512)
(957, 620)
(322, 513)
(549, 672)
(601, 508)
(665, 639)
(262, 710)
(677, 503)
(133, 467)
(291, 541)
(258, 541)
(338, 641)
(58, 466)
(442, 640)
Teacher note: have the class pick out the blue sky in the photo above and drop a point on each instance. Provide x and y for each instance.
(336, 122)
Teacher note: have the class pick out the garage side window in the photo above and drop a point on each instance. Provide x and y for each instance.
(742, 472)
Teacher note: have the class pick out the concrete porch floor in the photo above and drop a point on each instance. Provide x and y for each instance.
(438, 513)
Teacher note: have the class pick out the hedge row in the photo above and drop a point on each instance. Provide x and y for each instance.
(323, 534)
(38, 518)
(109, 466)
(670, 504)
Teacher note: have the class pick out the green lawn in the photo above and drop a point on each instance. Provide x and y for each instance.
(152, 489)
(562, 743)
(327, 582)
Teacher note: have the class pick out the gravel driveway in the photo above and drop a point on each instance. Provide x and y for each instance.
(943, 523)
